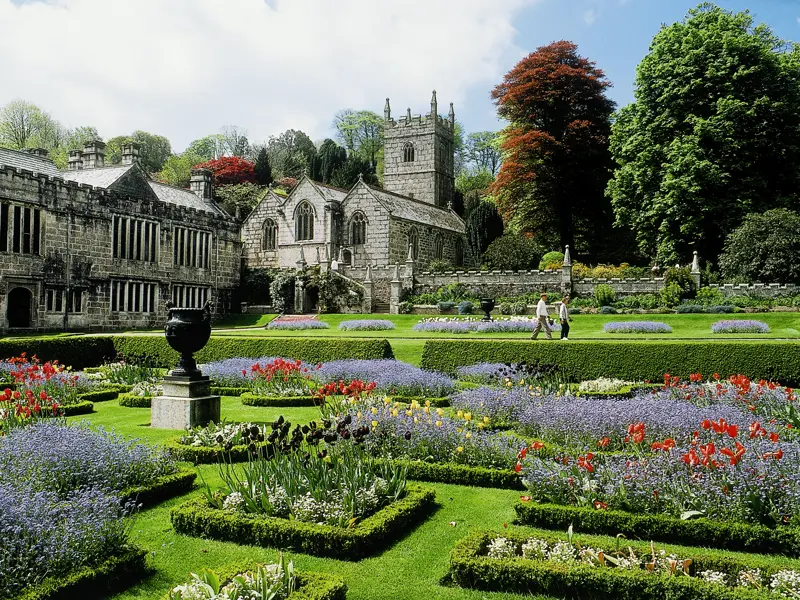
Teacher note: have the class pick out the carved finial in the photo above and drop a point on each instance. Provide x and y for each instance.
(408, 115)
(434, 105)
(387, 111)
(567, 257)
(396, 273)
(695, 263)
(361, 177)
(452, 115)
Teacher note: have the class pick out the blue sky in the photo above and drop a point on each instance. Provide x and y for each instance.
(616, 35)
(187, 68)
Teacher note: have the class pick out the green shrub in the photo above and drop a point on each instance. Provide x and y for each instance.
(102, 581)
(708, 296)
(460, 474)
(551, 258)
(519, 308)
(249, 399)
(78, 352)
(506, 308)
(228, 391)
(727, 535)
(608, 310)
(471, 567)
(689, 309)
(512, 252)
(79, 408)
(204, 455)
(583, 302)
(465, 307)
(440, 266)
(99, 395)
(604, 294)
(682, 277)
(671, 295)
(405, 308)
(626, 360)
(721, 309)
(446, 306)
(162, 488)
(131, 401)
(372, 534)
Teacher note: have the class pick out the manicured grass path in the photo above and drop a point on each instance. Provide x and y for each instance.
(410, 569)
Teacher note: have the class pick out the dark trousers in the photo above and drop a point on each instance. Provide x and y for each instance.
(564, 328)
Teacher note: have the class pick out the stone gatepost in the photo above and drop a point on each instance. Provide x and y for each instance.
(396, 286)
(368, 291)
(566, 273)
(695, 270)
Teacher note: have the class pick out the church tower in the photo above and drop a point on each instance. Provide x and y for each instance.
(419, 155)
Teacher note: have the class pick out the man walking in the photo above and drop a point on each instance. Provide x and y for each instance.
(541, 318)
(563, 316)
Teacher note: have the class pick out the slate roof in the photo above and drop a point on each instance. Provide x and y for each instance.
(330, 192)
(185, 198)
(403, 207)
(101, 177)
(26, 160)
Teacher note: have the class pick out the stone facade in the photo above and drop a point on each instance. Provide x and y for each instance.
(106, 247)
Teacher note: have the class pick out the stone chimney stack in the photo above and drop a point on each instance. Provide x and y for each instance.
(200, 183)
(75, 161)
(38, 152)
(94, 154)
(387, 111)
(130, 153)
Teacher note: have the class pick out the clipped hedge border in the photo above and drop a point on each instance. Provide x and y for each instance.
(78, 352)
(111, 576)
(459, 474)
(205, 455)
(630, 361)
(372, 534)
(471, 568)
(228, 391)
(311, 585)
(117, 387)
(743, 537)
(250, 399)
(78, 408)
(132, 401)
(161, 488)
(99, 395)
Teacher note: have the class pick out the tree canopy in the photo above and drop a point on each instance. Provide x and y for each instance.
(154, 150)
(555, 150)
(291, 154)
(713, 134)
(230, 170)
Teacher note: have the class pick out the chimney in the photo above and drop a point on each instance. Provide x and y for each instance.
(94, 154)
(38, 152)
(75, 160)
(130, 153)
(200, 183)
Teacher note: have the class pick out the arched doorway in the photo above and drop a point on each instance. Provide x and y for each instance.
(19, 307)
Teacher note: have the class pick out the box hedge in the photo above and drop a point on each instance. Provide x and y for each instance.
(129, 400)
(83, 407)
(75, 351)
(162, 488)
(250, 399)
(205, 455)
(228, 391)
(630, 361)
(470, 567)
(310, 585)
(729, 535)
(99, 395)
(460, 474)
(102, 581)
(367, 537)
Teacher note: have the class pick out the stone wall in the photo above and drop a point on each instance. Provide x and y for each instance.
(491, 283)
(399, 240)
(769, 290)
(76, 253)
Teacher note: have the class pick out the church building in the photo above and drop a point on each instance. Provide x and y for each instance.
(410, 216)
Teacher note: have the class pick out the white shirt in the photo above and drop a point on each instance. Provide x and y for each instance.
(541, 309)
(563, 312)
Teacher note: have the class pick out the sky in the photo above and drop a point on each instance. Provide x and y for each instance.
(186, 68)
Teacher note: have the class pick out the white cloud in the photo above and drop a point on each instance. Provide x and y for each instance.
(590, 16)
(184, 68)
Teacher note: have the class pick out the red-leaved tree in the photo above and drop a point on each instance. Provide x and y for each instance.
(555, 150)
(229, 170)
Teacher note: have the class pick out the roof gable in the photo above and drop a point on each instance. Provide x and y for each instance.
(29, 162)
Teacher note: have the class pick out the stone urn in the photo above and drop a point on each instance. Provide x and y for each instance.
(487, 304)
(187, 331)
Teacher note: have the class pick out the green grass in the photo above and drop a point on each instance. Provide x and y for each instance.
(412, 568)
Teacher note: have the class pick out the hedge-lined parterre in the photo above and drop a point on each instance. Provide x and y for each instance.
(129, 400)
(250, 399)
(160, 489)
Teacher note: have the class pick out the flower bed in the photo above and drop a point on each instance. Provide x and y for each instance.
(599, 568)
(740, 326)
(498, 325)
(366, 537)
(244, 579)
(235, 442)
(297, 325)
(366, 325)
(391, 377)
(637, 327)
(250, 399)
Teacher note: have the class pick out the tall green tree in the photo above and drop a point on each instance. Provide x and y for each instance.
(361, 133)
(330, 157)
(483, 151)
(154, 150)
(484, 225)
(555, 151)
(347, 174)
(263, 169)
(19, 122)
(713, 134)
(291, 154)
(177, 169)
(210, 147)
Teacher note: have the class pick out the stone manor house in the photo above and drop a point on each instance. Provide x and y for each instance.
(99, 246)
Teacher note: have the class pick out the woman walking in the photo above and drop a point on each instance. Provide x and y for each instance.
(563, 316)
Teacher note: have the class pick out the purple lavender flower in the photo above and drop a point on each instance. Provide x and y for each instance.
(740, 326)
(390, 376)
(366, 325)
(637, 327)
(297, 325)
(500, 405)
(455, 326)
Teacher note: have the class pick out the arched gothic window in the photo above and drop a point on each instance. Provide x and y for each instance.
(408, 152)
(304, 222)
(438, 247)
(459, 252)
(413, 243)
(269, 238)
(358, 229)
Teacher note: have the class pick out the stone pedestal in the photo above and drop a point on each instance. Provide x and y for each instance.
(187, 402)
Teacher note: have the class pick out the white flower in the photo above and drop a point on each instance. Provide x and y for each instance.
(502, 548)
(603, 385)
(562, 552)
(749, 578)
(534, 549)
(713, 576)
(786, 583)
(233, 501)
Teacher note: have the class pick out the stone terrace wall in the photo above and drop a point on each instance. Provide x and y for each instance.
(769, 290)
(623, 287)
(492, 283)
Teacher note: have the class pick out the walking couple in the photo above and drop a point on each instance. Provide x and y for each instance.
(543, 320)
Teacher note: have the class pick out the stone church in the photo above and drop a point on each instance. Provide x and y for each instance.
(411, 216)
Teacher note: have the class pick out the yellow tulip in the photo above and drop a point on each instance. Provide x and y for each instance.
(358, 414)
(460, 413)
(468, 416)
(439, 411)
(438, 423)
(460, 449)
(486, 420)
(426, 410)
(469, 434)
(374, 423)
(427, 402)
(416, 419)
(480, 425)
(394, 412)
(374, 410)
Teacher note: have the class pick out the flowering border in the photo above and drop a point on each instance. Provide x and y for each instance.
(250, 399)
(471, 568)
(197, 519)
(744, 537)
(206, 455)
(162, 488)
(113, 575)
